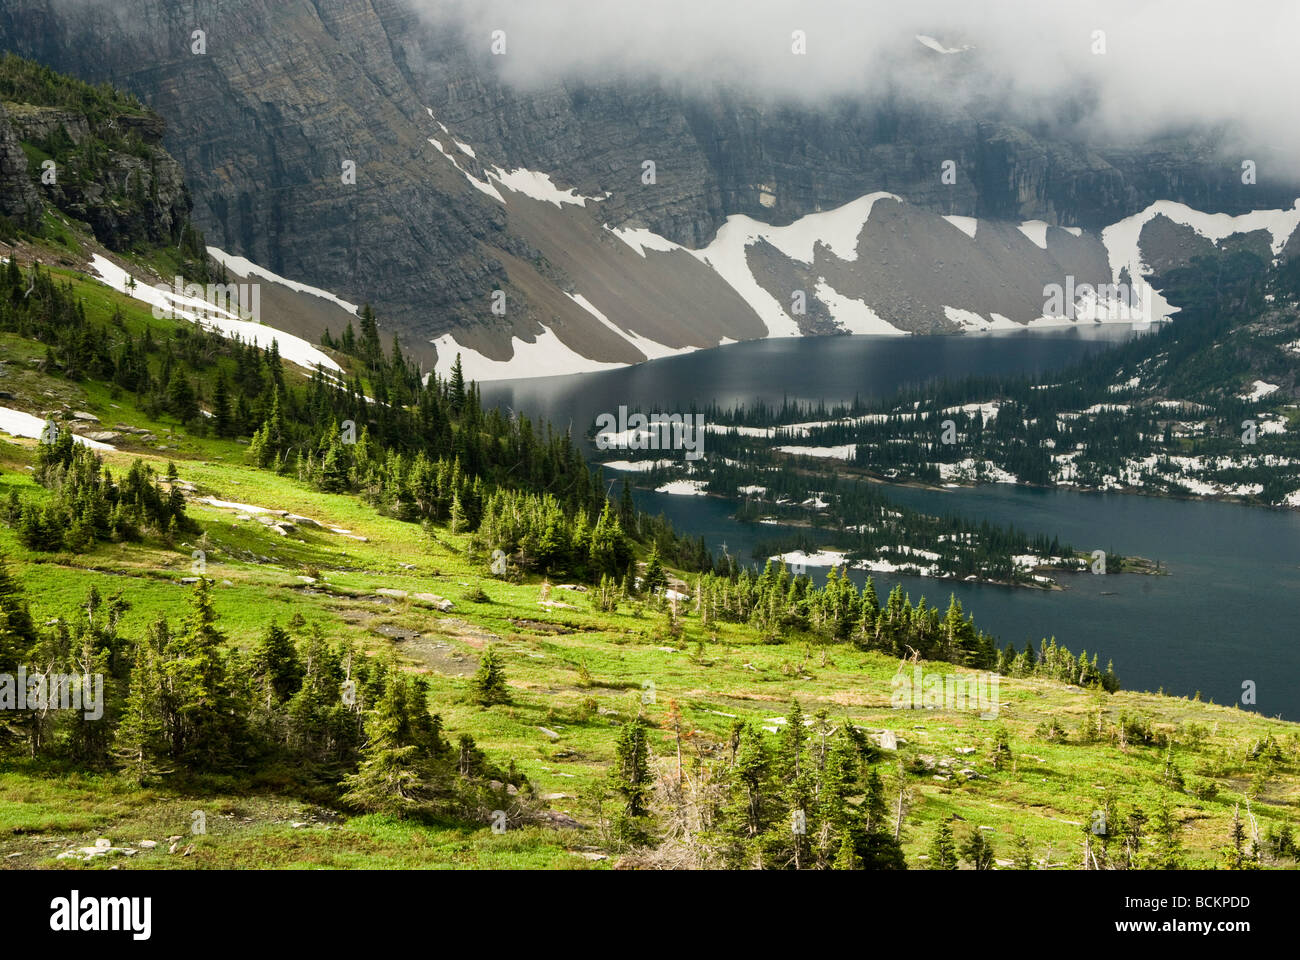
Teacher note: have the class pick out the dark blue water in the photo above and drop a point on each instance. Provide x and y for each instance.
(1227, 613)
(834, 369)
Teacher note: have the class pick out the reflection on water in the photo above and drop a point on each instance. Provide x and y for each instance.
(834, 369)
(1225, 615)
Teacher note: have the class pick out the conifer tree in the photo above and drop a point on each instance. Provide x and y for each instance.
(846, 858)
(222, 418)
(391, 776)
(977, 851)
(655, 578)
(197, 673)
(17, 632)
(1235, 856)
(631, 777)
(943, 848)
(456, 386)
(1167, 852)
(274, 666)
(1024, 857)
(488, 684)
(139, 741)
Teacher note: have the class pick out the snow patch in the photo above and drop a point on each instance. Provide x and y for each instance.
(547, 356)
(651, 349)
(845, 451)
(247, 268)
(1259, 390)
(16, 423)
(966, 225)
(1036, 231)
(294, 349)
(641, 239)
(683, 488)
(539, 186)
(937, 47)
(854, 315)
(838, 230)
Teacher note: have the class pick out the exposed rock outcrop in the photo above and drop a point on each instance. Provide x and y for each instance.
(285, 95)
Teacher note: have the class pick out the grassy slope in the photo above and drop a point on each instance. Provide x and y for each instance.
(1047, 794)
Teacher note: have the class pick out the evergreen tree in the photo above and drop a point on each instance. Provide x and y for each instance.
(943, 848)
(222, 417)
(1235, 856)
(631, 778)
(140, 740)
(17, 632)
(274, 666)
(977, 851)
(1168, 847)
(655, 578)
(489, 682)
(371, 349)
(456, 386)
(1024, 857)
(393, 775)
(195, 669)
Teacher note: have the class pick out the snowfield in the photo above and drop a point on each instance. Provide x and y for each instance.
(683, 488)
(247, 268)
(637, 466)
(1259, 390)
(19, 424)
(845, 451)
(200, 312)
(547, 356)
(836, 232)
(970, 471)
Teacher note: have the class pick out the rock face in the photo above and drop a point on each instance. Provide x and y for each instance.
(18, 196)
(138, 193)
(104, 166)
(286, 93)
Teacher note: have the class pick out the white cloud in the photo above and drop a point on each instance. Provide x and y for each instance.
(1168, 63)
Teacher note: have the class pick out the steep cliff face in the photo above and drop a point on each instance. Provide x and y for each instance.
(112, 174)
(91, 154)
(284, 93)
(18, 197)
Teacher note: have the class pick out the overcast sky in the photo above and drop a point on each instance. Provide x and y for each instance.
(1167, 62)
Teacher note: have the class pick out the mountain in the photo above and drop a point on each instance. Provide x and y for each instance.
(93, 154)
(466, 186)
(432, 640)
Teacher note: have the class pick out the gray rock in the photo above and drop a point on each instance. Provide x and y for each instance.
(263, 162)
(433, 600)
